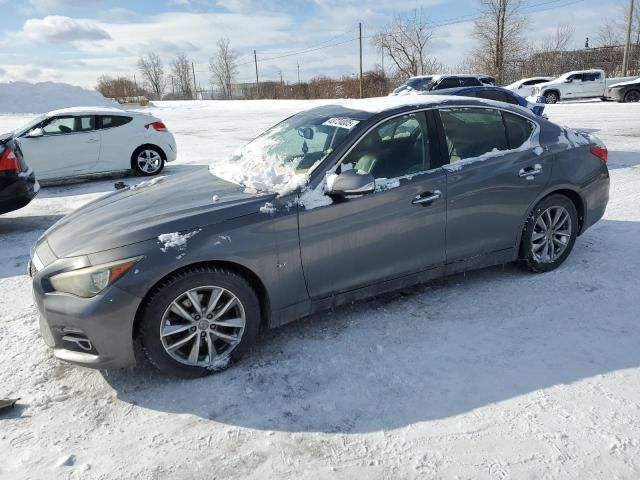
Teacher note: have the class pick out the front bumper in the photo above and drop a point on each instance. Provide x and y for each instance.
(92, 332)
(615, 94)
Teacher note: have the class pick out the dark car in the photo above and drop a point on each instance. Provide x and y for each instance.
(332, 205)
(18, 185)
(498, 94)
(626, 91)
(428, 83)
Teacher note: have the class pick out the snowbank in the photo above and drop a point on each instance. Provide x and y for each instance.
(25, 97)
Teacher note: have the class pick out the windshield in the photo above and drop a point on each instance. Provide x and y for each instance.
(280, 159)
(30, 125)
(422, 83)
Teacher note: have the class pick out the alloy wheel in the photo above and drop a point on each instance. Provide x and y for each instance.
(202, 326)
(551, 234)
(149, 161)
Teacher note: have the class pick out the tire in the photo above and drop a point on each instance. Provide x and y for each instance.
(557, 245)
(164, 326)
(632, 96)
(148, 160)
(551, 97)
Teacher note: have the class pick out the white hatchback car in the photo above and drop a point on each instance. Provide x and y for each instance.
(85, 141)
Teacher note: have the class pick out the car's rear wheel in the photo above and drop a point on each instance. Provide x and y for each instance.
(549, 234)
(148, 161)
(199, 321)
(551, 97)
(632, 96)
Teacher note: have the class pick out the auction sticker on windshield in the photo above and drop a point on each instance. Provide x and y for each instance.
(347, 123)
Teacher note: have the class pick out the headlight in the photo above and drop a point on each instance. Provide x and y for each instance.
(88, 282)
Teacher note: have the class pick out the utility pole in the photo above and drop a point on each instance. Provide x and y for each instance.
(382, 56)
(255, 58)
(298, 73)
(360, 36)
(195, 86)
(627, 42)
(173, 89)
(135, 82)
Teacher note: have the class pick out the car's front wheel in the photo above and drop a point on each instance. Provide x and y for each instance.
(551, 97)
(549, 233)
(148, 161)
(198, 321)
(632, 96)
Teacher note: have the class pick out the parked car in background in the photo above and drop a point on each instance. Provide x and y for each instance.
(499, 94)
(487, 80)
(625, 91)
(428, 83)
(578, 84)
(18, 184)
(85, 141)
(334, 204)
(526, 86)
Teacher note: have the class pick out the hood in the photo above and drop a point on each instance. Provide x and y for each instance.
(145, 211)
(5, 137)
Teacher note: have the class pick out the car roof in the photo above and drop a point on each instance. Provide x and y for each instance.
(378, 105)
(91, 111)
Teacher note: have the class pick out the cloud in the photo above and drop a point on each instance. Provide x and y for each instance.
(63, 29)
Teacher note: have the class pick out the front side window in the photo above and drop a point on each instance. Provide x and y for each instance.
(471, 132)
(469, 81)
(397, 148)
(67, 125)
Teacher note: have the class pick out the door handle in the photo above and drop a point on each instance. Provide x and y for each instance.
(427, 197)
(530, 171)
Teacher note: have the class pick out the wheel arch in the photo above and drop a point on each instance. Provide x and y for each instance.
(568, 192)
(246, 273)
(142, 147)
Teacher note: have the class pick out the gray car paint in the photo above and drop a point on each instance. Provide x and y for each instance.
(299, 260)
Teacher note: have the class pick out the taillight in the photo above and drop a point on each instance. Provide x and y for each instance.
(601, 152)
(157, 126)
(9, 161)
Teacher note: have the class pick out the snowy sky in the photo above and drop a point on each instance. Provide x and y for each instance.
(78, 40)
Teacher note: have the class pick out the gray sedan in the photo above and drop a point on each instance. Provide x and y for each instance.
(332, 205)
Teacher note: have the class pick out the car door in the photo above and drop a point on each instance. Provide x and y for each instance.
(69, 145)
(118, 142)
(593, 84)
(573, 88)
(496, 171)
(395, 231)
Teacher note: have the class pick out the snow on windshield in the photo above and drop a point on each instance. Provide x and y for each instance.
(280, 160)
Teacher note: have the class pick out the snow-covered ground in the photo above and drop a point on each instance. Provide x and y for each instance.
(497, 374)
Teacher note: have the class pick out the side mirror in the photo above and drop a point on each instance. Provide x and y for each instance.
(35, 133)
(350, 182)
(568, 80)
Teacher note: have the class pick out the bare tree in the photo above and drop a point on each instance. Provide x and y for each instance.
(181, 74)
(559, 40)
(223, 67)
(613, 28)
(500, 34)
(405, 41)
(117, 88)
(152, 70)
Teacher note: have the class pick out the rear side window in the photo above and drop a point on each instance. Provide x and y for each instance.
(518, 129)
(471, 132)
(448, 82)
(469, 81)
(114, 121)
